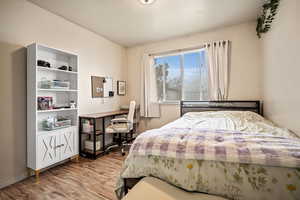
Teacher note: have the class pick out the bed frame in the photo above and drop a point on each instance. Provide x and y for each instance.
(201, 106)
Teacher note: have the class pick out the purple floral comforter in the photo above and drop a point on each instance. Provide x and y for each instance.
(219, 145)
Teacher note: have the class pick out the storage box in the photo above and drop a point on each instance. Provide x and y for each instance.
(87, 128)
(55, 84)
(50, 125)
(89, 145)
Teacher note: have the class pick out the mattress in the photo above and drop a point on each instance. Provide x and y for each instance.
(231, 180)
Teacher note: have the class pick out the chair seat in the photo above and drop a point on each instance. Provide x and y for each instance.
(119, 120)
(121, 116)
(117, 128)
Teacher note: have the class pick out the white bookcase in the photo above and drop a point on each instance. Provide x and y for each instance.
(48, 147)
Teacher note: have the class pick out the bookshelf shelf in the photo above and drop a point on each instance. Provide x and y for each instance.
(56, 90)
(55, 70)
(57, 110)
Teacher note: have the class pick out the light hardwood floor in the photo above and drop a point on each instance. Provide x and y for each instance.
(85, 180)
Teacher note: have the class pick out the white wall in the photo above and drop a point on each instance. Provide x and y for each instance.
(245, 72)
(23, 23)
(281, 64)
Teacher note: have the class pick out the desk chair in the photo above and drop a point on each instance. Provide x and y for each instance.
(122, 126)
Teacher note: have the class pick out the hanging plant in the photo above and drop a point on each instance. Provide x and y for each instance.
(265, 20)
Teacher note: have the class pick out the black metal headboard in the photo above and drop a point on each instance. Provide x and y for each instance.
(200, 106)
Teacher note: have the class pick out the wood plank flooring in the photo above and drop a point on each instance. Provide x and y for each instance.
(85, 180)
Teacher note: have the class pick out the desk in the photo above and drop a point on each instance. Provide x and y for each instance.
(93, 119)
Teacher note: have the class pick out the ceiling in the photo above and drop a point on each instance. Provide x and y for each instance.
(129, 23)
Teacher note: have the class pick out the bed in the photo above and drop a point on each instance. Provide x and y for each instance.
(221, 148)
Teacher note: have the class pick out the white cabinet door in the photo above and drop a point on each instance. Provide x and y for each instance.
(68, 145)
(48, 151)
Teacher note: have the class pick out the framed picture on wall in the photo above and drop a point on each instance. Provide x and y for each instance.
(121, 88)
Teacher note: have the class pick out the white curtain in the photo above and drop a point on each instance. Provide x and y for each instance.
(149, 101)
(218, 69)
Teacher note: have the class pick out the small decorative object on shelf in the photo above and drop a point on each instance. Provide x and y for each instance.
(265, 20)
(45, 103)
(62, 106)
(66, 68)
(43, 63)
(72, 104)
(63, 67)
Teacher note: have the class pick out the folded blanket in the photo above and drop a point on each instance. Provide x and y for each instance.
(219, 145)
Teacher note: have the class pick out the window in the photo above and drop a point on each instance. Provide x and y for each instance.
(182, 76)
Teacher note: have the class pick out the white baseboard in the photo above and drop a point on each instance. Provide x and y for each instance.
(10, 181)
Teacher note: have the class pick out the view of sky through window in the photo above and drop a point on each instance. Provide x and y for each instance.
(182, 76)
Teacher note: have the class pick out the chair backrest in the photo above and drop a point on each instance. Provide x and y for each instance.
(131, 112)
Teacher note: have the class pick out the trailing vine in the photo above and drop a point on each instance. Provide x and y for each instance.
(265, 20)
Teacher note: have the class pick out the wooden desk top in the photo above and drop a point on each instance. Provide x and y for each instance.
(104, 114)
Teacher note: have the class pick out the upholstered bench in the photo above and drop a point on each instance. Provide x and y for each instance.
(154, 189)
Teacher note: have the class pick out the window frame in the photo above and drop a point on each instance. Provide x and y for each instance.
(181, 54)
